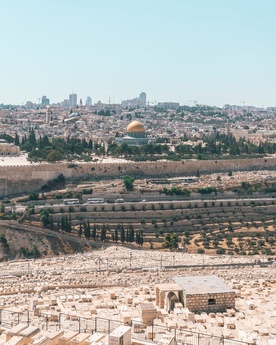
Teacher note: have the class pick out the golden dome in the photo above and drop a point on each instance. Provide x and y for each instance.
(135, 126)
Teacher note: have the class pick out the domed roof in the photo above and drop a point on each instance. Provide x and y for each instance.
(135, 126)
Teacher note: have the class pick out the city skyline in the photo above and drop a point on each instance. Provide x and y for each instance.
(211, 52)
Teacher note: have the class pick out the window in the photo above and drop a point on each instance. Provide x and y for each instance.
(211, 301)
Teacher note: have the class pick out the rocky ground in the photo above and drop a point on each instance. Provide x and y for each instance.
(111, 283)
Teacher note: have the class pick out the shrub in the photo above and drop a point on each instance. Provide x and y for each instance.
(220, 251)
(87, 191)
(206, 190)
(33, 196)
(3, 240)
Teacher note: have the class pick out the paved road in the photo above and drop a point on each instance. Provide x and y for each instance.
(168, 201)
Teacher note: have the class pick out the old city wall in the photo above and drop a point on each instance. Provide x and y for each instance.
(18, 179)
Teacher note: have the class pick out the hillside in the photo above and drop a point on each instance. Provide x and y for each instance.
(27, 242)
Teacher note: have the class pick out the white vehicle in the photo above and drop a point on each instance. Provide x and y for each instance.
(95, 201)
(119, 201)
(71, 201)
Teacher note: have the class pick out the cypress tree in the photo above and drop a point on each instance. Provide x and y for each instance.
(62, 223)
(94, 232)
(123, 237)
(116, 235)
(66, 224)
(131, 234)
(103, 233)
(51, 221)
(141, 238)
(69, 223)
(87, 233)
(16, 140)
(137, 237)
(80, 231)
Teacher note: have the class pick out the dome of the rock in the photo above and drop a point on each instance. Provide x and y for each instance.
(135, 127)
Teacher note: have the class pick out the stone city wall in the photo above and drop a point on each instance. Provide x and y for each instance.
(18, 179)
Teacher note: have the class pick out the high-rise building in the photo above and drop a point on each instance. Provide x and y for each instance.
(135, 102)
(73, 100)
(65, 103)
(88, 101)
(143, 98)
(45, 101)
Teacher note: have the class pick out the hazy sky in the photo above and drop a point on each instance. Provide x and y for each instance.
(212, 51)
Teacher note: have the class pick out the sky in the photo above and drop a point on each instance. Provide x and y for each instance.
(210, 51)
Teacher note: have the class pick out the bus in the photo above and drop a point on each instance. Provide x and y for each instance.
(95, 201)
(71, 201)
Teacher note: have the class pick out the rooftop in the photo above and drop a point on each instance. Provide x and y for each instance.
(202, 285)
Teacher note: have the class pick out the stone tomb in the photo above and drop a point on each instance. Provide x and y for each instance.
(206, 293)
(198, 293)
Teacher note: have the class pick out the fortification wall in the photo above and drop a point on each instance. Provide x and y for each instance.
(18, 179)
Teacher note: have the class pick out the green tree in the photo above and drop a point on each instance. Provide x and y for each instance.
(174, 241)
(80, 231)
(3, 240)
(103, 233)
(33, 196)
(131, 234)
(54, 155)
(51, 222)
(116, 235)
(62, 223)
(16, 140)
(87, 230)
(123, 238)
(128, 182)
(45, 216)
(94, 232)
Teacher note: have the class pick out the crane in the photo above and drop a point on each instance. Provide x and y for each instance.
(193, 101)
